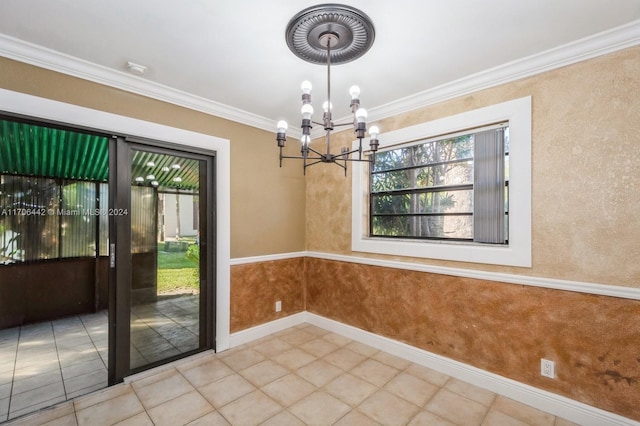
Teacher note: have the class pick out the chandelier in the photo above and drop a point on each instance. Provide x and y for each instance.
(329, 34)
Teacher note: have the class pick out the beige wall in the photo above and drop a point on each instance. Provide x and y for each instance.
(585, 173)
(267, 203)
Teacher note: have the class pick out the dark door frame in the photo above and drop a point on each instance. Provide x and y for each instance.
(121, 149)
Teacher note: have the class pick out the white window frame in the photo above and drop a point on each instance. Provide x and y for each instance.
(518, 252)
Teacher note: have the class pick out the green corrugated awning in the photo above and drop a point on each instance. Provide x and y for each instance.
(167, 171)
(28, 149)
(33, 150)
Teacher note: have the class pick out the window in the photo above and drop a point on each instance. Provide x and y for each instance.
(456, 188)
(52, 181)
(48, 218)
(452, 187)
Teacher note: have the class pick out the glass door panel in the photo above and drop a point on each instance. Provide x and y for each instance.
(166, 274)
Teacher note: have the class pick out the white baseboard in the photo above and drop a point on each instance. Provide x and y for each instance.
(266, 258)
(557, 405)
(549, 402)
(241, 337)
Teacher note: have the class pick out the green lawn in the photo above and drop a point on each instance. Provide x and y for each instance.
(177, 280)
(174, 260)
(176, 273)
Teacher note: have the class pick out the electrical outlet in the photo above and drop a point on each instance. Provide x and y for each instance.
(547, 368)
(278, 306)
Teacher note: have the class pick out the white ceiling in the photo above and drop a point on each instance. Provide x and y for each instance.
(232, 55)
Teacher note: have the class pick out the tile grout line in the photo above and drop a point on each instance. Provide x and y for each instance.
(489, 408)
(133, 389)
(257, 388)
(13, 381)
(106, 369)
(75, 412)
(323, 387)
(55, 342)
(92, 341)
(424, 406)
(13, 375)
(381, 387)
(197, 389)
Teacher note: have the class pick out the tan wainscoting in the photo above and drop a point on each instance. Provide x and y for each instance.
(503, 328)
(255, 288)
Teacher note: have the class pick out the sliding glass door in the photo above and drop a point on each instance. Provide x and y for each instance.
(163, 278)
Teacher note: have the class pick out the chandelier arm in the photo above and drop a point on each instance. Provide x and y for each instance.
(299, 157)
(319, 160)
(315, 152)
(350, 152)
(358, 160)
(311, 164)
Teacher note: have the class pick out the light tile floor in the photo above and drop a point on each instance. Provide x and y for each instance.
(300, 376)
(50, 362)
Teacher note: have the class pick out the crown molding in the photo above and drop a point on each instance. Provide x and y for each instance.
(596, 45)
(599, 44)
(33, 54)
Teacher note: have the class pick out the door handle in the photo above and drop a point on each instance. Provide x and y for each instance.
(112, 256)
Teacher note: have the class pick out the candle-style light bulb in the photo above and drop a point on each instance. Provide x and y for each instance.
(354, 91)
(306, 87)
(307, 111)
(282, 126)
(361, 115)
